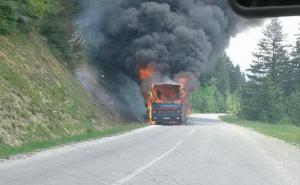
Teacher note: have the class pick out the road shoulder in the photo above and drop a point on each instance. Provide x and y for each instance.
(68, 147)
(284, 155)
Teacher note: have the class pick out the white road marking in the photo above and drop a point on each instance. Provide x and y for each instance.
(25, 158)
(145, 167)
(191, 132)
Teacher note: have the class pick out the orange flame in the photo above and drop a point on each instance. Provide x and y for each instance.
(167, 93)
(162, 93)
(184, 81)
(146, 71)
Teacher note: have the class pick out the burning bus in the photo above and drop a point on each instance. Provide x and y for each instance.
(166, 104)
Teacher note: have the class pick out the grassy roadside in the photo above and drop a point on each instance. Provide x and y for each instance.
(287, 132)
(194, 111)
(6, 151)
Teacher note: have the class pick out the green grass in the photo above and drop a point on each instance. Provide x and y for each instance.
(6, 151)
(287, 132)
(195, 111)
(39, 98)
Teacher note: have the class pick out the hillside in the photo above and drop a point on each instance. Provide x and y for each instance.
(40, 99)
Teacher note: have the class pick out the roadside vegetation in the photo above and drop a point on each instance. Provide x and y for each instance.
(219, 89)
(41, 103)
(284, 131)
(267, 96)
(269, 91)
(53, 19)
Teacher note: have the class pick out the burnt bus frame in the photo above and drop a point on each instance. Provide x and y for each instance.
(181, 121)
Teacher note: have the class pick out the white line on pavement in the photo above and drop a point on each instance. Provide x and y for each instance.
(191, 132)
(24, 158)
(145, 167)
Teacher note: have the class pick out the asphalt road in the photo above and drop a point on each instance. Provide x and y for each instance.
(209, 152)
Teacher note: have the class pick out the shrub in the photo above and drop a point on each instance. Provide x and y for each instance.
(8, 17)
(262, 101)
(293, 107)
(233, 103)
(38, 8)
(209, 99)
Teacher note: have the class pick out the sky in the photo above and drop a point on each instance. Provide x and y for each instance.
(244, 44)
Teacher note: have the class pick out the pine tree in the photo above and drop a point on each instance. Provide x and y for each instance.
(261, 102)
(292, 101)
(271, 55)
(250, 106)
(261, 95)
(221, 76)
(236, 77)
(271, 101)
(293, 107)
(295, 63)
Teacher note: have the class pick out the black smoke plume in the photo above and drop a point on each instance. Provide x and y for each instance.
(178, 37)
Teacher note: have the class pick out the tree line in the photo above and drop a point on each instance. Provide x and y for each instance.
(53, 19)
(270, 89)
(219, 90)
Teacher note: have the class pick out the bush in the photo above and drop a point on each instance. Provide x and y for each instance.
(293, 107)
(39, 8)
(209, 99)
(57, 26)
(233, 103)
(8, 17)
(263, 102)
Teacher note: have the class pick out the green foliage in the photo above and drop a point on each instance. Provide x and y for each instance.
(221, 76)
(294, 70)
(7, 16)
(40, 100)
(36, 8)
(233, 103)
(57, 28)
(51, 18)
(39, 8)
(271, 58)
(236, 77)
(272, 92)
(219, 89)
(262, 101)
(208, 99)
(293, 107)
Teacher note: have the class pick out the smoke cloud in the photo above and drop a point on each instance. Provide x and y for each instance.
(177, 37)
